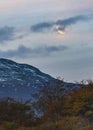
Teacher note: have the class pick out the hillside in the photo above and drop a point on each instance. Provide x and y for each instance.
(20, 81)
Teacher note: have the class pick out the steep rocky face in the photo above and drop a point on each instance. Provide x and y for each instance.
(20, 80)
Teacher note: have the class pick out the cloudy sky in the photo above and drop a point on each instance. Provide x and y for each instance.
(54, 35)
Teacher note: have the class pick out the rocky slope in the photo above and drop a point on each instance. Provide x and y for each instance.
(21, 80)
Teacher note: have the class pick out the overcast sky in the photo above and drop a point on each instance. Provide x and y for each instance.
(54, 35)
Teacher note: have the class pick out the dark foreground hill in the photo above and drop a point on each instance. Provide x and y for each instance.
(21, 80)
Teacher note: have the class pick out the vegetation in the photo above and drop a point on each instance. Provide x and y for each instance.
(53, 109)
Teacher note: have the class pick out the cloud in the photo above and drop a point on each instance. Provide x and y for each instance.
(6, 33)
(11, 5)
(59, 25)
(41, 27)
(23, 51)
(70, 21)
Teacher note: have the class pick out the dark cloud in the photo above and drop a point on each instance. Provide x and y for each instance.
(6, 33)
(61, 24)
(41, 27)
(71, 20)
(23, 51)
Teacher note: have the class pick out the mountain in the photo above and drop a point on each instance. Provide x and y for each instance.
(21, 80)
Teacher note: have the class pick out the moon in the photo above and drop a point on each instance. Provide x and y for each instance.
(59, 30)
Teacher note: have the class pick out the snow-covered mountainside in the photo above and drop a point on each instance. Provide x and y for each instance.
(21, 80)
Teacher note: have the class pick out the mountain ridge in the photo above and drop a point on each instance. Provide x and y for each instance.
(20, 81)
